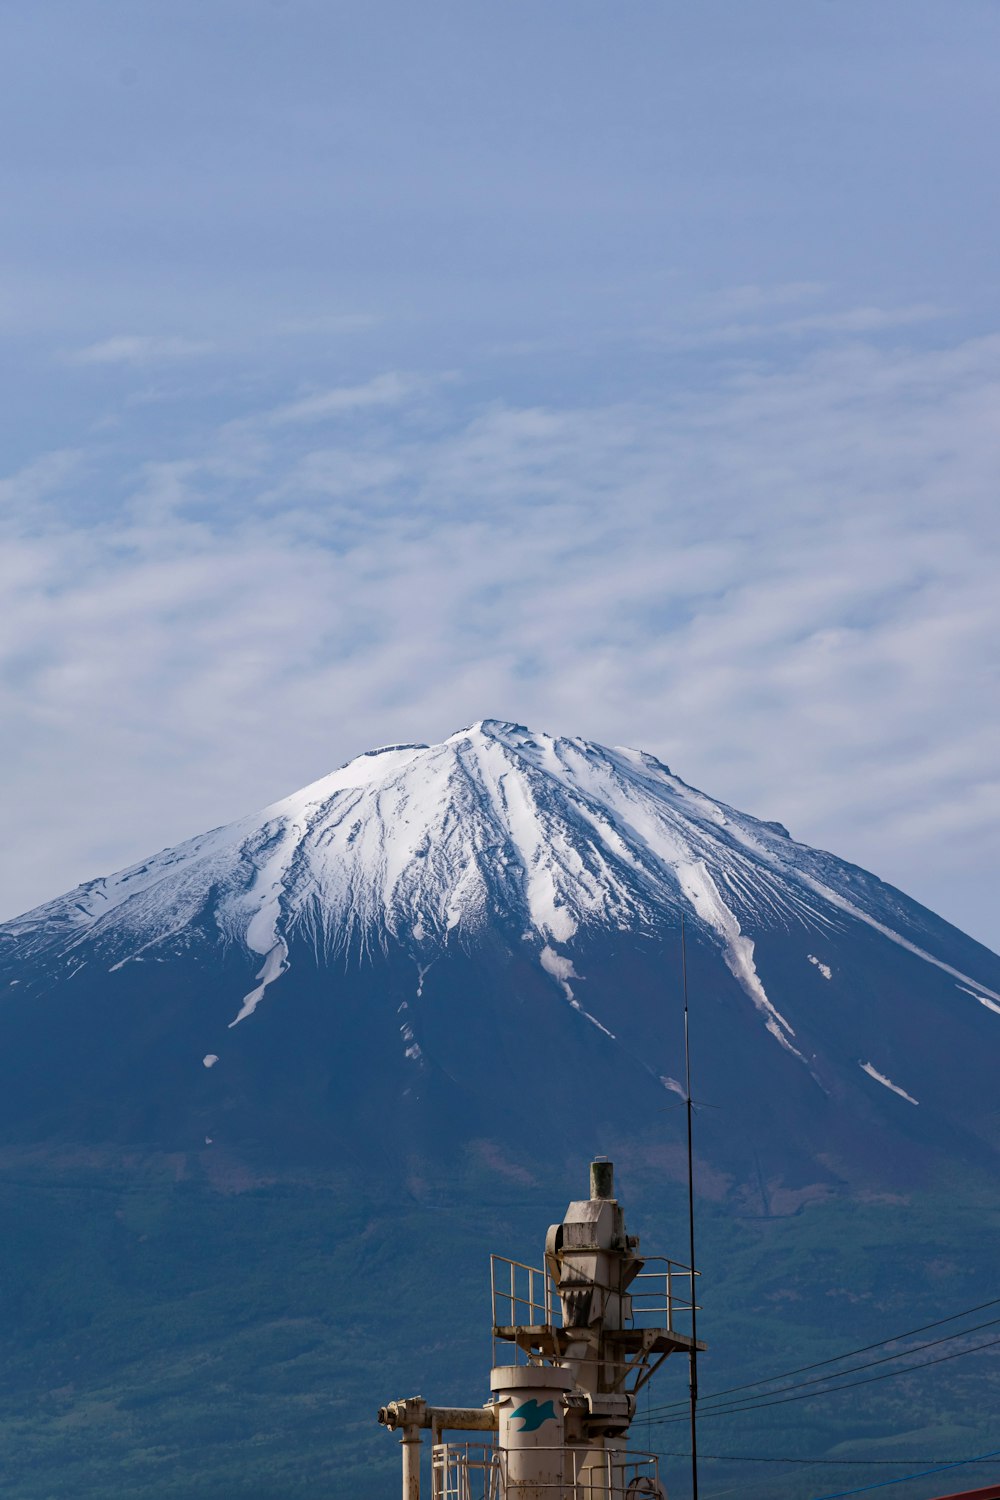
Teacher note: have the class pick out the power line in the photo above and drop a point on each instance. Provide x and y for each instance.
(881, 1483)
(836, 1358)
(750, 1402)
(726, 1411)
(742, 1458)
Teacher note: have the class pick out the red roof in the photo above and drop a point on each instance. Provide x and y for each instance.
(991, 1492)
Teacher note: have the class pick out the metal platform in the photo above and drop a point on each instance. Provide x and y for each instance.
(551, 1342)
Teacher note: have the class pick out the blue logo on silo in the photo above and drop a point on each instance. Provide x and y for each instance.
(532, 1415)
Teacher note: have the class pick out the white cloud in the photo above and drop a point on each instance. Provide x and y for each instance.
(384, 390)
(860, 319)
(44, 476)
(137, 349)
(705, 332)
(786, 587)
(752, 297)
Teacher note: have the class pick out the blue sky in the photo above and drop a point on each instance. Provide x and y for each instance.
(630, 370)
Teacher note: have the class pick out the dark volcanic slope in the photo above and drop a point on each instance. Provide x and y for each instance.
(397, 959)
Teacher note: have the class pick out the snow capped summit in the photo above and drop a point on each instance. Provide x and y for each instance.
(424, 845)
(412, 945)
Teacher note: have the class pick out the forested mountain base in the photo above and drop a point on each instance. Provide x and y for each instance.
(169, 1336)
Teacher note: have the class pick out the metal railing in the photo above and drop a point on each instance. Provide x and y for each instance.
(523, 1296)
(464, 1471)
(660, 1293)
(478, 1471)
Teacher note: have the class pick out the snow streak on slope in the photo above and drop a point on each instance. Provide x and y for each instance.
(887, 1083)
(698, 885)
(423, 846)
(976, 995)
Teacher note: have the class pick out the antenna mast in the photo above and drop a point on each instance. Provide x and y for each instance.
(693, 1357)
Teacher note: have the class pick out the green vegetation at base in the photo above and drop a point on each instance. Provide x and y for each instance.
(165, 1339)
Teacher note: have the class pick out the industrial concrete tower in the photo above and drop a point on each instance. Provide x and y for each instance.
(572, 1345)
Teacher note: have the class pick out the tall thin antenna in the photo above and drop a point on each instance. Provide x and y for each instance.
(693, 1358)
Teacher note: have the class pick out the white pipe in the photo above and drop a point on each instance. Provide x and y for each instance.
(461, 1419)
(410, 1443)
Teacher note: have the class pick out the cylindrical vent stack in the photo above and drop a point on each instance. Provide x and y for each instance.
(602, 1178)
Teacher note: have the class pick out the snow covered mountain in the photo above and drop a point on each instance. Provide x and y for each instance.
(425, 916)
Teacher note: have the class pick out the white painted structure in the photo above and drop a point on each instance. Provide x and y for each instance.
(581, 1337)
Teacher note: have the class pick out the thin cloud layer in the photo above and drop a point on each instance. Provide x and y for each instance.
(137, 349)
(384, 390)
(782, 581)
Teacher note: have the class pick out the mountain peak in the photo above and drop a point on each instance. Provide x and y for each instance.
(492, 728)
(498, 826)
(426, 919)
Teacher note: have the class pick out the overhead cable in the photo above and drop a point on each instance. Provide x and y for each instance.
(857, 1463)
(728, 1411)
(749, 1403)
(895, 1338)
(882, 1483)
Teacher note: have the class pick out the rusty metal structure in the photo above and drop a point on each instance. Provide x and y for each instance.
(573, 1342)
